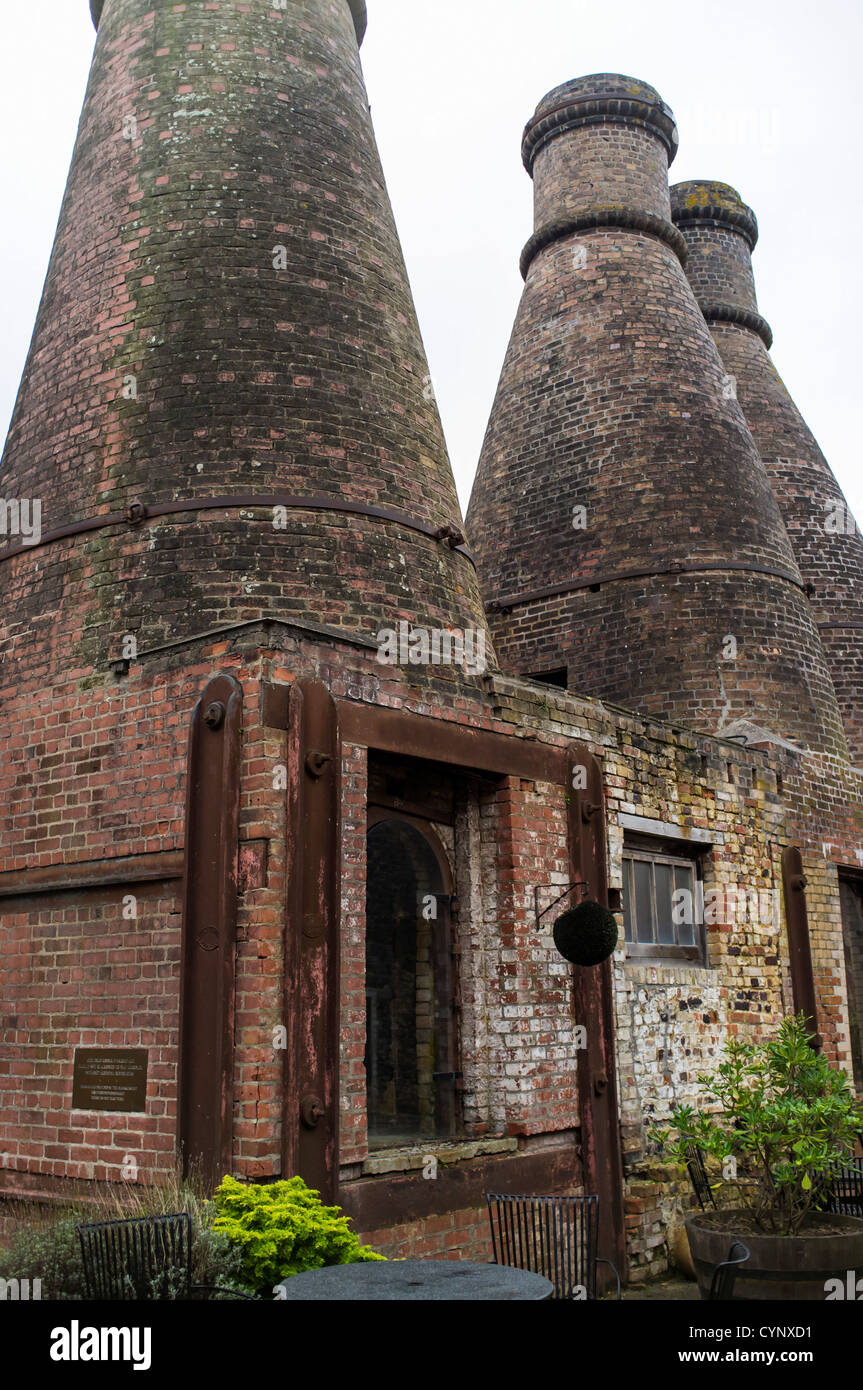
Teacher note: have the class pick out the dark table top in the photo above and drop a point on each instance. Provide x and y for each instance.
(426, 1280)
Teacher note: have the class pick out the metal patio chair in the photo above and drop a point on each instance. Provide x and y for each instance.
(845, 1192)
(725, 1275)
(697, 1170)
(145, 1258)
(553, 1236)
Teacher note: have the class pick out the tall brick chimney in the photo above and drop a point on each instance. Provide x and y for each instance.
(226, 329)
(226, 416)
(623, 522)
(721, 233)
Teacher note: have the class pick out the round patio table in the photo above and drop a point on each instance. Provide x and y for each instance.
(440, 1281)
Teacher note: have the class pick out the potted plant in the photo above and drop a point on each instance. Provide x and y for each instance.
(783, 1125)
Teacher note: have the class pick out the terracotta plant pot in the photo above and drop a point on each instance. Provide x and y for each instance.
(779, 1267)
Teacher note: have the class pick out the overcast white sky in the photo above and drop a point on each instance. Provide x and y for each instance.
(767, 97)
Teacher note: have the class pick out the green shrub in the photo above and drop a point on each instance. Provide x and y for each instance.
(216, 1261)
(283, 1229)
(49, 1252)
(787, 1123)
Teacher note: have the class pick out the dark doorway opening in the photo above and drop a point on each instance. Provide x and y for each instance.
(559, 678)
(411, 1047)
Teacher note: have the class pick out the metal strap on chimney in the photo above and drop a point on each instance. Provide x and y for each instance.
(139, 512)
(597, 581)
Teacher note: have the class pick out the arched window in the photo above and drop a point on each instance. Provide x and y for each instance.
(411, 1076)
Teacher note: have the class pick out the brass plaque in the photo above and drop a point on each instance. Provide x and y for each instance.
(110, 1078)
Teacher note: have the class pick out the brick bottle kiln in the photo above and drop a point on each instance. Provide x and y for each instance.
(620, 513)
(721, 233)
(281, 840)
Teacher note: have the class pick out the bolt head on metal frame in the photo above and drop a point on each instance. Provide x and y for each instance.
(214, 717)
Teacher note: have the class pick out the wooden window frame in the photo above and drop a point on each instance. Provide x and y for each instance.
(658, 950)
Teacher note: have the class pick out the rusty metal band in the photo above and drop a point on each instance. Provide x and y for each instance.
(620, 576)
(593, 1004)
(715, 312)
(92, 875)
(310, 1095)
(459, 1186)
(140, 512)
(628, 219)
(210, 890)
(436, 740)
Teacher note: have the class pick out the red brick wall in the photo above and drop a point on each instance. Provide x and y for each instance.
(457, 1235)
(96, 777)
(518, 1056)
(77, 974)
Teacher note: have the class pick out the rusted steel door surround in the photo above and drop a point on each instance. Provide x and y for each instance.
(310, 1120)
(799, 945)
(407, 734)
(205, 1081)
(602, 1158)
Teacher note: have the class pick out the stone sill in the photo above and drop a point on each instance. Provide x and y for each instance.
(669, 972)
(414, 1158)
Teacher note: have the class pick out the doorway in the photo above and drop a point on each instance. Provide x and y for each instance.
(411, 1045)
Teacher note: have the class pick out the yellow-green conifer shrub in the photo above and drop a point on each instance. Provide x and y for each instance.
(284, 1228)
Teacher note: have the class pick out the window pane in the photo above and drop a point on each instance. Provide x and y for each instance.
(411, 1062)
(664, 889)
(643, 904)
(627, 888)
(685, 879)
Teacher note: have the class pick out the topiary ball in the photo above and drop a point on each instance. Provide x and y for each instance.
(587, 934)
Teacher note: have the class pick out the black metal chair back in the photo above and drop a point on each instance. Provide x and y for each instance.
(697, 1171)
(725, 1275)
(552, 1236)
(143, 1258)
(846, 1191)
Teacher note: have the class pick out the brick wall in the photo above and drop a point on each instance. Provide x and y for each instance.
(516, 1027)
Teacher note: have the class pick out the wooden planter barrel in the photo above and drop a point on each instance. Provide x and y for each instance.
(787, 1267)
